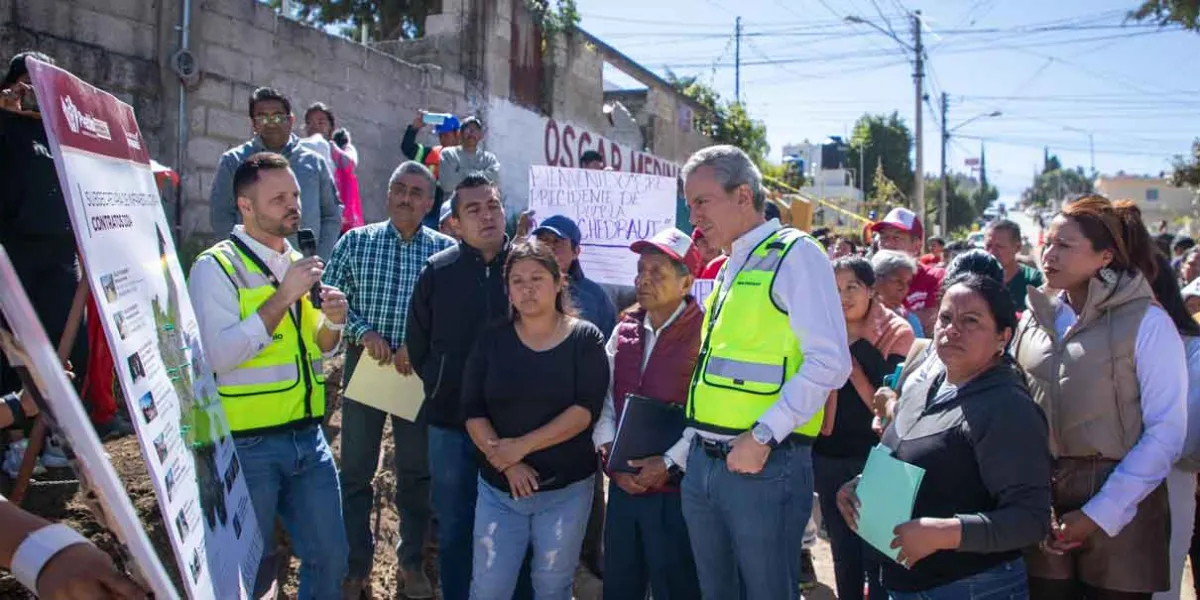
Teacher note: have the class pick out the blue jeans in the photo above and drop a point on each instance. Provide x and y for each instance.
(646, 545)
(291, 474)
(853, 559)
(1001, 582)
(552, 522)
(362, 432)
(455, 476)
(746, 530)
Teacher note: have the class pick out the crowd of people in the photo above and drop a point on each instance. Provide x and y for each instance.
(1046, 399)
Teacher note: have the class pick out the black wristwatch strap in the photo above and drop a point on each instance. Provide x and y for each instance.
(18, 412)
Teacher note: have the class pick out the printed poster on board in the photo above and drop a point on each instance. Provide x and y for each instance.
(613, 209)
(130, 261)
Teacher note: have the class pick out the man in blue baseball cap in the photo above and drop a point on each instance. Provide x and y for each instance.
(448, 137)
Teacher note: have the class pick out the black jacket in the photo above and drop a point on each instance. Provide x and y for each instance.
(456, 296)
(985, 451)
(33, 213)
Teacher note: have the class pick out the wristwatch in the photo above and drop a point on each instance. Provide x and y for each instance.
(672, 468)
(763, 435)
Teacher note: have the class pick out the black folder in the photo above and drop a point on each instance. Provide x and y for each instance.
(647, 427)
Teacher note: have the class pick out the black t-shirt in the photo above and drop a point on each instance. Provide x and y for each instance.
(520, 390)
(852, 436)
(32, 209)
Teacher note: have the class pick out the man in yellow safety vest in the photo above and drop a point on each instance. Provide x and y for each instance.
(265, 340)
(773, 345)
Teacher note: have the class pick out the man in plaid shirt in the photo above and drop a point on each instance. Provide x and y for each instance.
(377, 266)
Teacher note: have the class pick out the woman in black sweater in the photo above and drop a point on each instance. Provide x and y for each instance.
(981, 440)
(532, 389)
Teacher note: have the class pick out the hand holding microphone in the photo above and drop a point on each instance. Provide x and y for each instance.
(308, 246)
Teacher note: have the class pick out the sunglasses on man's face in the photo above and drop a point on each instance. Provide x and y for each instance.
(272, 119)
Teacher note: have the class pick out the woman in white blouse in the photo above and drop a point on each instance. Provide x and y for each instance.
(1107, 366)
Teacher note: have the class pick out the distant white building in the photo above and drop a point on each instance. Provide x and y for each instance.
(1155, 196)
(826, 176)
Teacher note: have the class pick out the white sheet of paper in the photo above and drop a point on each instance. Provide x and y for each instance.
(380, 386)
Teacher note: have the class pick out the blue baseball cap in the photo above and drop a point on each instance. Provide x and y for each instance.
(450, 125)
(562, 227)
(443, 213)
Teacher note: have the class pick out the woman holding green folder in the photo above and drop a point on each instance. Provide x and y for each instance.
(982, 442)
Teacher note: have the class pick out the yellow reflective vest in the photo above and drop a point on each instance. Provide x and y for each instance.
(748, 349)
(282, 387)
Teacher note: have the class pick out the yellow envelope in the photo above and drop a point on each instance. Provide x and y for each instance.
(380, 386)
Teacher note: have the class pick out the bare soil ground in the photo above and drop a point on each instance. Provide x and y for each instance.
(61, 501)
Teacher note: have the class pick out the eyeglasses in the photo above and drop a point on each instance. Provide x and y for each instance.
(272, 119)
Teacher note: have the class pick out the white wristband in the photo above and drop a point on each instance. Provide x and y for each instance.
(331, 326)
(38, 548)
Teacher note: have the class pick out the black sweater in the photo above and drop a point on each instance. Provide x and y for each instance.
(520, 390)
(456, 296)
(852, 436)
(985, 452)
(33, 213)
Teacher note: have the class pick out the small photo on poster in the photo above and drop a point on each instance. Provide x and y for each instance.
(119, 320)
(237, 526)
(110, 287)
(160, 447)
(149, 408)
(231, 473)
(137, 370)
(169, 482)
(181, 523)
(195, 564)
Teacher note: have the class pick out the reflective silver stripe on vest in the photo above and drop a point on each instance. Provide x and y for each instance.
(260, 375)
(245, 279)
(767, 263)
(744, 371)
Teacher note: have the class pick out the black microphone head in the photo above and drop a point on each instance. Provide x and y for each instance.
(308, 241)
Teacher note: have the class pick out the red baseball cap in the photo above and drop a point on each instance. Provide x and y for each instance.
(902, 219)
(675, 244)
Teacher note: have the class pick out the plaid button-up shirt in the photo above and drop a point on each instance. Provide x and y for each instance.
(377, 270)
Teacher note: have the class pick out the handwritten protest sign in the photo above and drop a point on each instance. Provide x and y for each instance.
(611, 208)
(702, 288)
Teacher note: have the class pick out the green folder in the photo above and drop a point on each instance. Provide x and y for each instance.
(886, 494)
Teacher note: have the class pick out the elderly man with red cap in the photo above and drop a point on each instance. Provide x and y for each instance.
(652, 353)
(901, 230)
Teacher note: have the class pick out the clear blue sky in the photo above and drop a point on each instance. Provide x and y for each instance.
(1056, 69)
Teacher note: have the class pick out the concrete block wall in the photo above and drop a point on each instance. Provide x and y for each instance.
(242, 44)
(112, 44)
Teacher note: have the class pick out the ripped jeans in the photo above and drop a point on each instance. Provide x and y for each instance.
(554, 522)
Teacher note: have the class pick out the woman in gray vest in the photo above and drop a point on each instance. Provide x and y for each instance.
(1107, 366)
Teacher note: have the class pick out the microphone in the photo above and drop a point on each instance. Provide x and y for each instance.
(308, 246)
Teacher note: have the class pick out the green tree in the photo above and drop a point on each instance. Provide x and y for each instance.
(1057, 183)
(1186, 170)
(1185, 13)
(724, 122)
(405, 19)
(883, 140)
(384, 19)
(962, 211)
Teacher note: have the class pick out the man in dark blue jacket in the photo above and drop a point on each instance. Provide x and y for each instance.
(459, 291)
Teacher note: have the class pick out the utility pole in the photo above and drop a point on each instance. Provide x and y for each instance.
(737, 60)
(1092, 151)
(918, 84)
(943, 204)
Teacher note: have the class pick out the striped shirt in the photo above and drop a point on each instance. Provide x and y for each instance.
(377, 270)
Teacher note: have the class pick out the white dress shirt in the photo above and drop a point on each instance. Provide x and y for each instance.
(228, 339)
(804, 287)
(605, 430)
(1161, 367)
